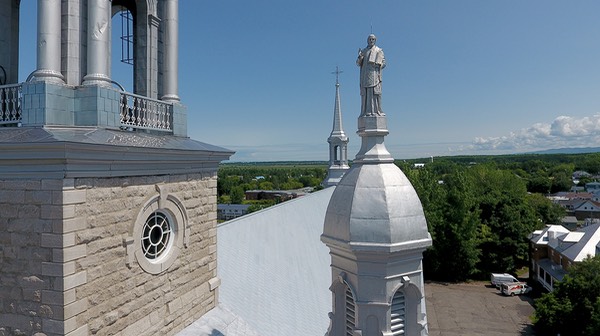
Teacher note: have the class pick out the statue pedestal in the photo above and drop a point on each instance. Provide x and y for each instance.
(372, 130)
(369, 124)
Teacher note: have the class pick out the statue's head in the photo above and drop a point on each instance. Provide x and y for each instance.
(371, 40)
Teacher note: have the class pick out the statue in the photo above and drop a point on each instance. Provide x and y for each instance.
(371, 61)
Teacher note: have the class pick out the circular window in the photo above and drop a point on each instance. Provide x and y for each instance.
(156, 235)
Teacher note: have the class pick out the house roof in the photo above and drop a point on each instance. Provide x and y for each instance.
(576, 203)
(586, 244)
(556, 271)
(581, 173)
(589, 203)
(569, 219)
(573, 237)
(540, 237)
(225, 206)
(573, 195)
(565, 241)
(275, 271)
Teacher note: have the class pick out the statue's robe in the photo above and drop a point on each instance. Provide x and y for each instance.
(371, 63)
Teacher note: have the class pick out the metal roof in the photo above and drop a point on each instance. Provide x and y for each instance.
(275, 272)
(220, 321)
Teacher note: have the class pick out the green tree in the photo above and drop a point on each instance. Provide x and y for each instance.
(265, 185)
(225, 183)
(506, 219)
(224, 199)
(237, 195)
(451, 211)
(534, 166)
(539, 184)
(455, 246)
(546, 211)
(561, 181)
(589, 163)
(479, 217)
(291, 184)
(256, 205)
(310, 181)
(573, 308)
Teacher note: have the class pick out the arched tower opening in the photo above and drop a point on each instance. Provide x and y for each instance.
(123, 44)
(9, 41)
(336, 155)
(85, 47)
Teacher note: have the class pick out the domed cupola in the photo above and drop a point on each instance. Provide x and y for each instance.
(375, 206)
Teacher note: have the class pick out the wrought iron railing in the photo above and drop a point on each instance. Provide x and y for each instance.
(135, 111)
(145, 113)
(11, 98)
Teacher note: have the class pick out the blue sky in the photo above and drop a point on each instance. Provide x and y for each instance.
(462, 76)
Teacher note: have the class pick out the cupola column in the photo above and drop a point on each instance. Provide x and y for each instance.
(98, 40)
(171, 46)
(152, 57)
(48, 41)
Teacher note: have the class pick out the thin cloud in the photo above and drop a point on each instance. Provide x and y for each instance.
(564, 131)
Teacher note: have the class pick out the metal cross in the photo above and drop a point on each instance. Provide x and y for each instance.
(337, 73)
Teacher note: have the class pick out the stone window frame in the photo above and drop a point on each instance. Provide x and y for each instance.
(414, 322)
(176, 213)
(339, 323)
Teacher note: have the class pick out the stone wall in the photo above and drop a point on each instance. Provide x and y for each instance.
(28, 212)
(65, 264)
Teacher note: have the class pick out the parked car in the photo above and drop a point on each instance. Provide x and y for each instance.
(512, 289)
(499, 278)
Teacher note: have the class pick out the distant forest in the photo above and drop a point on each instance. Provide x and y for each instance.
(479, 209)
(236, 178)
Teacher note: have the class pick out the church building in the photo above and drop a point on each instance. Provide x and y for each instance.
(107, 208)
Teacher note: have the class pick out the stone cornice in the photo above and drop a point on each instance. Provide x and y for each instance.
(354, 248)
(133, 155)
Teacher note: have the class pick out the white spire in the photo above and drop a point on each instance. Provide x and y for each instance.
(337, 131)
(338, 141)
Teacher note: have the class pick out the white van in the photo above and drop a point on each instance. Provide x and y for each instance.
(512, 289)
(499, 278)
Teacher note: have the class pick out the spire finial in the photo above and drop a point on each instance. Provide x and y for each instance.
(337, 73)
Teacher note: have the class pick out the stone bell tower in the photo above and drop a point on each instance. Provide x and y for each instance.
(107, 208)
(338, 142)
(376, 231)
